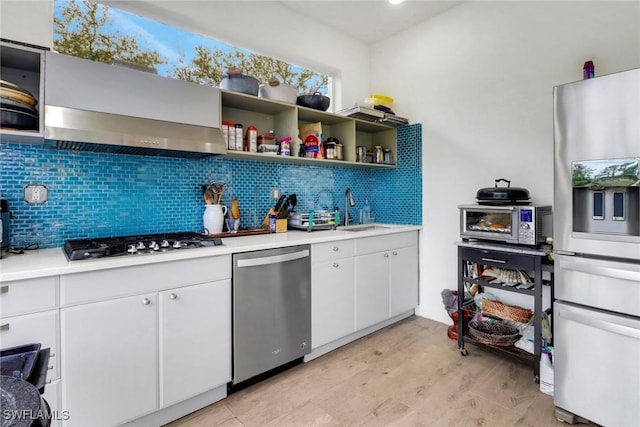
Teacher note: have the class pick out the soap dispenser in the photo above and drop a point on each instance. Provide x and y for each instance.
(366, 212)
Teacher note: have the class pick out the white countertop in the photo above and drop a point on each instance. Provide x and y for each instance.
(51, 262)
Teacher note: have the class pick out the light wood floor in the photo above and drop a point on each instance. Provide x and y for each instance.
(408, 374)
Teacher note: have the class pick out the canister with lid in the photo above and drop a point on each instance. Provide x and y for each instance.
(386, 154)
(338, 152)
(330, 146)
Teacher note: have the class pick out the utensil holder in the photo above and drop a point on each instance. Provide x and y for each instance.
(213, 218)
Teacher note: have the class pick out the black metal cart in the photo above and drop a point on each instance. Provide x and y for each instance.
(512, 258)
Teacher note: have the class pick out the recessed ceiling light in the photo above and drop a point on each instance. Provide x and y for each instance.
(395, 1)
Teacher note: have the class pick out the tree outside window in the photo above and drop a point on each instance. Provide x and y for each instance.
(90, 30)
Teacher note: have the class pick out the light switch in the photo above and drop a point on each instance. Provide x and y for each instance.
(36, 194)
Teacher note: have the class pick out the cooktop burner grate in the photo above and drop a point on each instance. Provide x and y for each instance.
(80, 249)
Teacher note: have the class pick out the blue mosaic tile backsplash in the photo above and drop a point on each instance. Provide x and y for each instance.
(101, 195)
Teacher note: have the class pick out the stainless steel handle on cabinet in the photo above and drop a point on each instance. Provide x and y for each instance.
(336, 265)
(50, 367)
(601, 324)
(4, 289)
(48, 382)
(394, 252)
(4, 327)
(173, 296)
(146, 301)
(336, 249)
(386, 255)
(499, 261)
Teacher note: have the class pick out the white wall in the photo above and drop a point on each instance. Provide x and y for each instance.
(479, 78)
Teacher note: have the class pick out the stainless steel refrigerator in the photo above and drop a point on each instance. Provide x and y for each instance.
(596, 217)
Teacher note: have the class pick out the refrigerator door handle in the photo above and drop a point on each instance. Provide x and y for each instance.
(600, 324)
(604, 268)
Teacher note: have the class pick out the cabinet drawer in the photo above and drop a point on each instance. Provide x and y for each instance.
(321, 252)
(39, 328)
(98, 285)
(28, 296)
(369, 245)
(509, 261)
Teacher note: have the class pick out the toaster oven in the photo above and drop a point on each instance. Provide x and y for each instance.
(528, 225)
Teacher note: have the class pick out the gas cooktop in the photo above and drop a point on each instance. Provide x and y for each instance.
(136, 245)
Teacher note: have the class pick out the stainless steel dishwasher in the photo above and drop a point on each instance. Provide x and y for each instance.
(271, 309)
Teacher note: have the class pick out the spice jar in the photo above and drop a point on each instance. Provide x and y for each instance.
(252, 139)
(239, 136)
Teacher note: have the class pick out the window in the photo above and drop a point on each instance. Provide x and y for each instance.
(101, 33)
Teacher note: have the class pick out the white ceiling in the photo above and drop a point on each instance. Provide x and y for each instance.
(369, 21)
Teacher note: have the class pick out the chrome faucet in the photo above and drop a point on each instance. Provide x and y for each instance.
(348, 201)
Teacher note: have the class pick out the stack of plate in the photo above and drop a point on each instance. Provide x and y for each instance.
(17, 107)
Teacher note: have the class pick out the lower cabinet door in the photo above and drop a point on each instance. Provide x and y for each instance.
(39, 328)
(403, 280)
(332, 301)
(195, 340)
(109, 361)
(372, 289)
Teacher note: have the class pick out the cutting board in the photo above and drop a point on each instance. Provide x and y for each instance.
(240, 233)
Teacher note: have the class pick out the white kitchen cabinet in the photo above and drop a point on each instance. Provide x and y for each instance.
(386, 269)
(109, 360)
(135, 340)
(403, 280)
(24, 67)
(332, 291)
(372, 289)
(29, 314)
(332, 300)
(28, 296)
(37, 328)
(29, 22)
(195, 340)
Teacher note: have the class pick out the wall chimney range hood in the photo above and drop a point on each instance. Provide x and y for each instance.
(91, 106)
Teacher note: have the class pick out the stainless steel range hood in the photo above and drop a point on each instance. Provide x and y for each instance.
(91, 106)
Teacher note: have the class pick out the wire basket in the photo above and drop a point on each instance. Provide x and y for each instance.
(505, 311)
(493, 333)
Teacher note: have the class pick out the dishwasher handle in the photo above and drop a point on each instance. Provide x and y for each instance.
(272, 259)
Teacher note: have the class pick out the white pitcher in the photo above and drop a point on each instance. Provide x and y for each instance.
(213, 218)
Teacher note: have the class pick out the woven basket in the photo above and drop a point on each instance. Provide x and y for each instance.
(504, 311)
(493, 333)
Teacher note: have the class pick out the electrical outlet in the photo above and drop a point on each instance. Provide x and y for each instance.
(36, 194)
(274, 194)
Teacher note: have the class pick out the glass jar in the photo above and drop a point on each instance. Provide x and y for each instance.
(378, 154)
(386, 154)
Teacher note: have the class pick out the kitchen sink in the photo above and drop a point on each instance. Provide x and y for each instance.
(363, 227)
